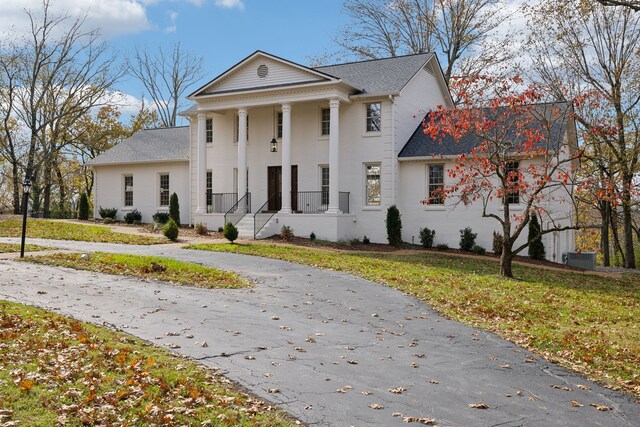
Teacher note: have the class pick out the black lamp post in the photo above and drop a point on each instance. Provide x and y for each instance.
(274, 145)
(26, 188)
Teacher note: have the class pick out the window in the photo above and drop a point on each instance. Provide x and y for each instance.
(164, 189)
(325, 122)
(372, 189)
(209, 188)
(324, 184)
(512, 171)
(279, 118)
(128, 190)
(238, 128)
(436, 184)
(209, 131)
(373, 117)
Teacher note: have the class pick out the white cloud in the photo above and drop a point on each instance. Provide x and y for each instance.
(230, 4)
(173, 17)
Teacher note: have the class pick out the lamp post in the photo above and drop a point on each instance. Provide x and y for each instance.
(26, 188)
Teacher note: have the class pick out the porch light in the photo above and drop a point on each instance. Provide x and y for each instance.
(274, 145)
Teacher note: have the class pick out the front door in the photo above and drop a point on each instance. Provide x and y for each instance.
(274, 187)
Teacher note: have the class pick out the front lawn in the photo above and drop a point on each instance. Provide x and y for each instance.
(15, 247)
(146, 267)
(58, 371)
(60, 230)
(585, 322)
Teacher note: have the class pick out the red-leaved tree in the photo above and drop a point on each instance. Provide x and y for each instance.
(521, 159)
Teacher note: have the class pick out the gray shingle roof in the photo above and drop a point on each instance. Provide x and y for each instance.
(421, 145)
(149, 145)
(379, 76)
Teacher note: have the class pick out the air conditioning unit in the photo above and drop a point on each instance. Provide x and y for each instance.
(585, 260)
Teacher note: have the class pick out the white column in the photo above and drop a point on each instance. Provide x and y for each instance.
(242, 155)
(201, 168)
(334, 157)
(286, 159)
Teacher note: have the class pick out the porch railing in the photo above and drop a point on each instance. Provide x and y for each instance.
(238, 210)
(264, 214)
(317, 202)
(220, 202)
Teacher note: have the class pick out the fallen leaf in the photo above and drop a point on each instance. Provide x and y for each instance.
(376, 406)
(478, 406)
(275, 318)
(434, 381)
(310, 339)
(583, 387)
(425, 421)
(366, 392)
(397, 390)
(575, 404)
(600, 407)
(352, 362)
(274, 390)
(250, 357)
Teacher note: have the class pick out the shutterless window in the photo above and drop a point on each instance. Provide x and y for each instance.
(324, 184)
(279, 125)
(436, 184)
(373, 184)
(373, 117)
(512, 171)
(128, 190)
(209, 131)
(325, 121)
(164, 189)
(209, 188)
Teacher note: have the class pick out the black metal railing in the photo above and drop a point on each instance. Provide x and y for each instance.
(238, 210)
(220, 202)
(265, 213)
(317, 202)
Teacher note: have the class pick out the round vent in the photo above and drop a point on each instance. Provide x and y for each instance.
(263, 71)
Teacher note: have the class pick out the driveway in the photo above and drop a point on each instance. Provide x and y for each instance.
(330, 348)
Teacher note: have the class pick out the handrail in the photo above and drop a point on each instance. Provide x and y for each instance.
(235, 214)
(260, 219)
(220, 202)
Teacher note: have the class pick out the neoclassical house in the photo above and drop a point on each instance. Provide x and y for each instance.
(324, 150)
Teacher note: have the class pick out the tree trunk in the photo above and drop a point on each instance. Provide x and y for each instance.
(506, 259)
(605, 210)
(15, 178)
(46, 203)
(627, 230)
(61, 188)
(617, 247)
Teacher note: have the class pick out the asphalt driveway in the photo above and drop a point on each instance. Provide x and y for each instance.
(330, 348)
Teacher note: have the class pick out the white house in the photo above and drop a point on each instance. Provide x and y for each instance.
(324, 150)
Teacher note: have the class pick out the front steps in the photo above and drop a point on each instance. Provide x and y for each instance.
(245, 227)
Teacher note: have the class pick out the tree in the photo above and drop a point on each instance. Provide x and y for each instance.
(394, 226)
(633, 4)
(536, 247)
(83, 207)
(588, 53)
(230, 232)
(174, 209)
(166, 75)
(517, 157)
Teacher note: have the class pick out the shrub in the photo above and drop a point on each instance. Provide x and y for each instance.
(394, 226)
(201, 229)
(498, 240)
(132, 216)
(365, 240)
(442, 246)
(536, 247)
(286, 233)
(171, 230)
(107, 212)
(83, 207)
(426, 237)
(467, 239)
(312, 236)
(220, 229)
(161, 217)
(109, 220)
(174, 209)
(478, 250)
(354, 242)
(230, 232)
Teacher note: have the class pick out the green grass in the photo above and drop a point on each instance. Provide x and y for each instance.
(58, 371)
(585, 322)
(15, 247)
(59, 230)
(147, 267)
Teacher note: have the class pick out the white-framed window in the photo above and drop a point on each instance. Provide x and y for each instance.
(128, 190)
(279, 124)
(512, 171)
(325, 121)
(373, 117)
(209, 188)
(372, 184)
(435, 184)
(238, 128)
(209, 131)
(324, 184)
(164, 189)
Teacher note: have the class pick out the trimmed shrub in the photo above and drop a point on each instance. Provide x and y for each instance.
(171, 230)
(201, 229)
(478, 250)
(365, 240)
(230, 232)
(133, 216)
(107, 212)
(498, 240)
(161, 217)
(442, 246)
(467, 239)
(394, 226)
(174, 209)
(220, 229)
(426, 237)
(536, 247)
(312, 236)
(286, 233)
(83, 207)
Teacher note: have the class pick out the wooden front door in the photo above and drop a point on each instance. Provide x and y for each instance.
(274, 187)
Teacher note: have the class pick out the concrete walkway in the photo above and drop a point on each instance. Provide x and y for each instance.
(326, 346)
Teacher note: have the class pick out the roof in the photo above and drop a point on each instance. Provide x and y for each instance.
(422, 145)
(379, 76)
(149, 145)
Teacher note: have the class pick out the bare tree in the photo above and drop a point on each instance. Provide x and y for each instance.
(166, 75)
(633, 4)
